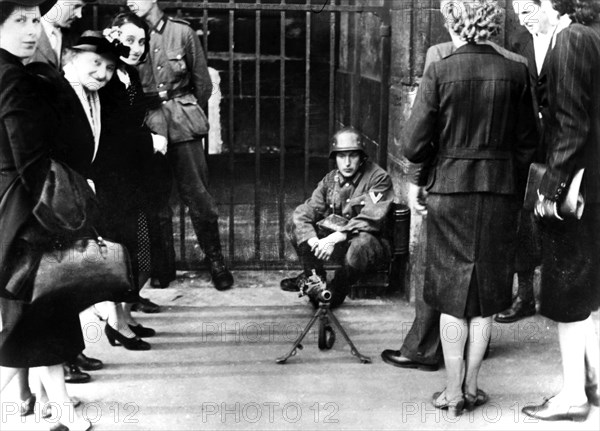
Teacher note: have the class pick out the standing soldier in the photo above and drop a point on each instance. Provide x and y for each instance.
(176, 80)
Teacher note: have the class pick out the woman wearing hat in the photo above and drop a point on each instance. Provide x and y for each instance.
(124, 169)
(33, 128)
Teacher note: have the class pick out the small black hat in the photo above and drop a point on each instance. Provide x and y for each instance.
(45, 5)
(93, 41)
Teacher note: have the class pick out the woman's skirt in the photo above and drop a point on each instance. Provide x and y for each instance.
(471, 241)
(570, 288)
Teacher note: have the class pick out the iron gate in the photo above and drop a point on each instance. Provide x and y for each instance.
(292, 72)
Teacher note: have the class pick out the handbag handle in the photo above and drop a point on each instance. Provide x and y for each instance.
(101, 244)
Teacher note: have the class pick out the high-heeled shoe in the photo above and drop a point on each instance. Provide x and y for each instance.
(454, 406)
(116, 338)
(142, 331)
(28, 405)
(472, 401)
(552, 411)
(591, 391)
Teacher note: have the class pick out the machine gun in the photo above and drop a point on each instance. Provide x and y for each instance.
(315, 289)
(319, 296)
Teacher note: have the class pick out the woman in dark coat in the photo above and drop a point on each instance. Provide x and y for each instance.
(473, 123)
(38, 123)
(570, 285)
(123, 169)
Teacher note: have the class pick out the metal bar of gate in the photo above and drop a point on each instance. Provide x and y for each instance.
(230, 135)
(257, 146)
(385, 55)
(332, 35)
(281, 200)
(307, 104)
(205, 28)
(355, 84)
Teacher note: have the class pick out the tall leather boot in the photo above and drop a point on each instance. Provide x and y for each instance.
(159, 216)
(524, 304)
(162, 249)
(210, 241)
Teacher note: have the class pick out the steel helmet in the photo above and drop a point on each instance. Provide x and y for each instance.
(347, 139)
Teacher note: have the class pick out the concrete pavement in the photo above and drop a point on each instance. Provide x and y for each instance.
(212, 367)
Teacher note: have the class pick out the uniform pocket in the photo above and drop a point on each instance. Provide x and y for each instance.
(358, 203)
(177, 62)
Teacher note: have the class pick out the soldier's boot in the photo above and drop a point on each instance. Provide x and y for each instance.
(210, 241)
(295, 284)
(524, 303)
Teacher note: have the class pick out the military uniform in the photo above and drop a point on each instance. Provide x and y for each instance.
(365, 201)
(177, 84)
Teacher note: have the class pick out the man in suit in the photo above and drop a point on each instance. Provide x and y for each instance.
(570, 272)
(421, 348)
(51, 43)
(533, 43)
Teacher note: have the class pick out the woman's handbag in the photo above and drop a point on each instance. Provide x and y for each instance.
(85, 272)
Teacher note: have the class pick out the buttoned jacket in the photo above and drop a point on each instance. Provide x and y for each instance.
(473, 122)
(573, 138)
(522, 44)
(176, 63)
(365, 200)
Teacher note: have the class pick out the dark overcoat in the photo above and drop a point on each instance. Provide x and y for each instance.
(570, 288)
(39, 121)
(473, 122)
(122, 169)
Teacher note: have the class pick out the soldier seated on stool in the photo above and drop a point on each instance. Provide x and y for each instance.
(361, 193)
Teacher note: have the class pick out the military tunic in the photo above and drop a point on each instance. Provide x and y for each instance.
(365, 201)
(175, 73)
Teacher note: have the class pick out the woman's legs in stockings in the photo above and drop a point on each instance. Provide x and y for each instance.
(592, 353)
(572, 338)
(53, 379)
(479, 337)
(464, 342)
(142, 279)
(6, 376)
(454, 333)
(22, 378)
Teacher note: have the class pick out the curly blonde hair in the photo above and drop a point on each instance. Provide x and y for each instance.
(473, 20)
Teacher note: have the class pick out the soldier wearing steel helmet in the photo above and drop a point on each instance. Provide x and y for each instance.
(343, 221)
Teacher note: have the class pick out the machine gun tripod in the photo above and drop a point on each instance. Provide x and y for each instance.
(315, 289)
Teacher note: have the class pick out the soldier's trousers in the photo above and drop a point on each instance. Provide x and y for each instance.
(359, 255)
(189, 169)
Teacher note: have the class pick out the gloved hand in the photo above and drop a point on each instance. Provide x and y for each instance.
(546, 209)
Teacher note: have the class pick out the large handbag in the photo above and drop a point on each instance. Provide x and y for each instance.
(573, 203)
(84, 272)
